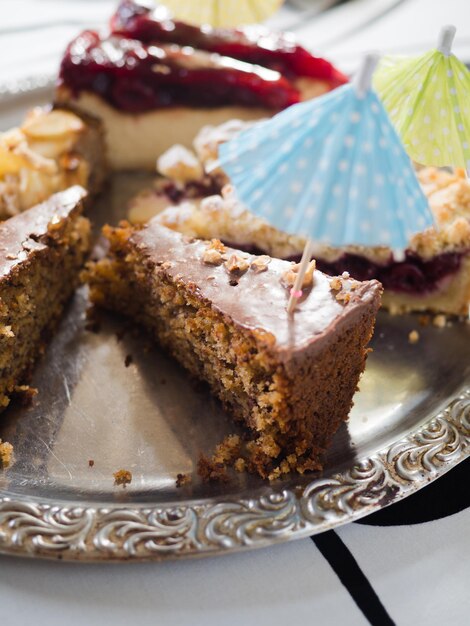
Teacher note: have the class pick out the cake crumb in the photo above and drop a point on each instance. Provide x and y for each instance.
(424, 320)
(439, 321)
(91, 463)
(128, 360)
(210, 471)
(413, 337)
(25, 394)
(122, 477)
(240, 465)
(183, 479)
(6, 454)
(214, 468)
(7, 332)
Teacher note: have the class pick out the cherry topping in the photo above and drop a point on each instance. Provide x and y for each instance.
(137, 77)
(253, 44)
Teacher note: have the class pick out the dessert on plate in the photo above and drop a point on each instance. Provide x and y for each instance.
(186, 174)
(41, 253)
(222, 314)
(155, 82)
(51, 151)
(434, 274)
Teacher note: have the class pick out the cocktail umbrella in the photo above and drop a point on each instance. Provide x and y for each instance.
(223, 12)
(428, 99)
(332, 169)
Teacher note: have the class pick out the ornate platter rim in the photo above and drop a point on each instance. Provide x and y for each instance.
(77, 531)
(81, 531)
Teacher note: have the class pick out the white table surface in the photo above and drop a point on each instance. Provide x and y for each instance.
(420, 572)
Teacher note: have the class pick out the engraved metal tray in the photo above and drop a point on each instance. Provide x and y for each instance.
(410, 424)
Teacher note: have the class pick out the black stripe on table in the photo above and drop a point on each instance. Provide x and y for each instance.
(352, 577)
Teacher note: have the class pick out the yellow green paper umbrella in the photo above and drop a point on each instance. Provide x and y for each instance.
(223, 12)
(428, 99)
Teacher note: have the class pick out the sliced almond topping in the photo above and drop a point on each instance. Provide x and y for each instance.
(52, 124)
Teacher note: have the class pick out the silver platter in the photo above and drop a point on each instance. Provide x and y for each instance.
(410, 424)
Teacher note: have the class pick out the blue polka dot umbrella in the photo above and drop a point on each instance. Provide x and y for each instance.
(332, 169)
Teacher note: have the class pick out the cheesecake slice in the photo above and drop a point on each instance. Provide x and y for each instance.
(434, 275)
(51, 151)
(155, 82)
(289, 379)
(41, 253)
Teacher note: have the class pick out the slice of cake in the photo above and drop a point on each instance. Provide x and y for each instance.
(434, 275)
(155, 82)
(222, 314)
(41, 253)
(49, 152)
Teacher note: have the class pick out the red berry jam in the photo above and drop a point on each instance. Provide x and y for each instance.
(137, 77)
(253, 44)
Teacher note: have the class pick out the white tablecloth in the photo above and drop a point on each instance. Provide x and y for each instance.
(402, 566)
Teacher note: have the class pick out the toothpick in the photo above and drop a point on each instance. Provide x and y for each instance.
(296, 291)
(363, 78)
(446, 39)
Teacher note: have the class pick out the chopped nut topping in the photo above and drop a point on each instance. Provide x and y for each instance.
(345, 275)
(212, 257)
(167, 265)
(440, 321)
(260, 263)
(237, 264)
(216, 244)
(289, 277)
(413, 337)
(343, 296)
(336, 284)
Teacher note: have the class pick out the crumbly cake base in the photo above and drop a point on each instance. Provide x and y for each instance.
(290, 410)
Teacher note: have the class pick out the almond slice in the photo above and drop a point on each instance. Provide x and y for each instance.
(10, 163)
(52, 125)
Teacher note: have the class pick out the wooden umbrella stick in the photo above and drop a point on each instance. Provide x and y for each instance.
(296, 291)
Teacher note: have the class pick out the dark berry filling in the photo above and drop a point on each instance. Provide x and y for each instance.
(137, 77)
(252, 45)
(414, 275)
(190, 190)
